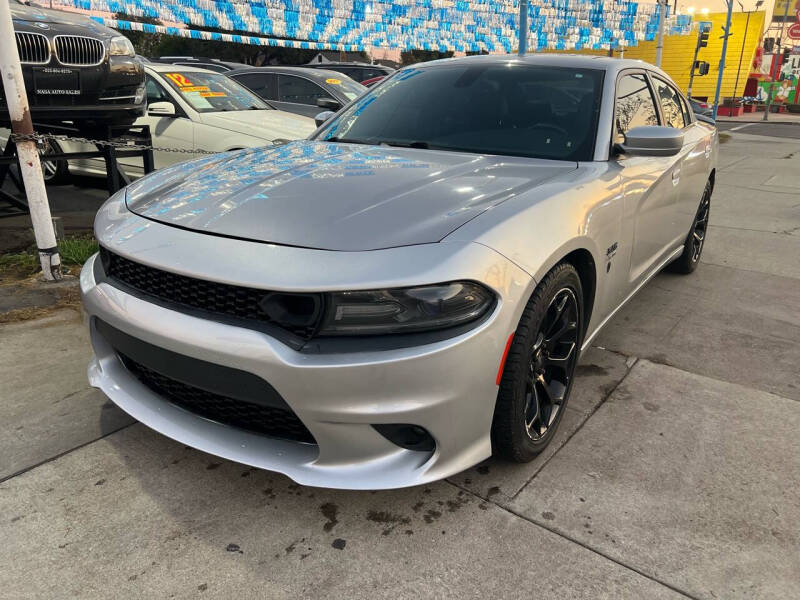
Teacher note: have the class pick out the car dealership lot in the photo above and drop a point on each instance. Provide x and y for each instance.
(673, 474)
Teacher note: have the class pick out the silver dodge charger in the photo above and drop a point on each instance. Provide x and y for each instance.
(406, 292)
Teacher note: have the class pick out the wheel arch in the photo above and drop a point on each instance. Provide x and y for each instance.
(584, 263)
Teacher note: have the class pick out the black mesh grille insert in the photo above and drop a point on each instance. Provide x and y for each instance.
(266, 420)
(215, 298)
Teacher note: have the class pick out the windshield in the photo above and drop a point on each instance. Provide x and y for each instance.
(512, 109)
(213, 92)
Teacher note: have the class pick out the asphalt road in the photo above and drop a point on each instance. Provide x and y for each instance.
(674, 473)
(777, 130)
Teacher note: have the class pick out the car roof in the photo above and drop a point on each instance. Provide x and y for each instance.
(322, 65)
(574, 61)
(321, 74)
(167, 67)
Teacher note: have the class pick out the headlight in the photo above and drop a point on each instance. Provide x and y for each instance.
(121, 46)
(405, 310)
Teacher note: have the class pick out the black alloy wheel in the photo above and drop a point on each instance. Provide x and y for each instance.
(53, 171)
(551, 364)
(540, 367)
(693, 246)
(700, 226)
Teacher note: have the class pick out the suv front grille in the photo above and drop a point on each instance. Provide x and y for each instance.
(211, 297)
(79, 51)
(34, 48)
(266, 420)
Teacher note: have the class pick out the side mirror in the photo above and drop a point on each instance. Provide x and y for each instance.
(652, 140)
(323, 116)
(161, 109)
(329, 104)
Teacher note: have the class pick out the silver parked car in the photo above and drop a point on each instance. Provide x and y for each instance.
(406, 292)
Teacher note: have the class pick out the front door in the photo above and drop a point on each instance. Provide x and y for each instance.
(649, 184)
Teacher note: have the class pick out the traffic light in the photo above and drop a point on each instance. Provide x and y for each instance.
(702, 39)
(769, 45)
(701, 67)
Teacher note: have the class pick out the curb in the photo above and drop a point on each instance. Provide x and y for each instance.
(770, 122)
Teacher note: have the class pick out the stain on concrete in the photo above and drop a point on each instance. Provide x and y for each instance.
(548, 516)
(202, 587)
(492, 491)
(212, 466)
(233, 548)
(418, 506)
(431, 515)
(100, 482)
(339, 543)
(329, 510)
(590, 370)
(650, 406)
(483, 469)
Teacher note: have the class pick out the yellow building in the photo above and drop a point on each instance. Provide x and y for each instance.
(679, 51)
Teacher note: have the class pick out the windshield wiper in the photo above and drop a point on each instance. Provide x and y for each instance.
(349, 141)
(423, 145)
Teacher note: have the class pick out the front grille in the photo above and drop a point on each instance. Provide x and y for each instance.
(214, 298)
(77, 50)
(265, 420)
(34, 48)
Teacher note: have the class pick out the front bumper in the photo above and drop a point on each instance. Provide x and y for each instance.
(448, 387)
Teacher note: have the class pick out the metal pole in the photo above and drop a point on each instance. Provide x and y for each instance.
(523, 27)
(741, 54)
(694, 61)
(662, 17)
(31, 169)
(722, 58)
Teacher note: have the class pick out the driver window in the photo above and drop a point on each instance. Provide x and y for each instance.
(635, 105)
(670, 104)
(155, 93)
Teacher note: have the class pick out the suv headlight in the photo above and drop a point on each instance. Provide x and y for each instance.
(405, 310)
(121, 46)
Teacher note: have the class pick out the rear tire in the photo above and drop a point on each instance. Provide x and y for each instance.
(540, 367)
(693, 246)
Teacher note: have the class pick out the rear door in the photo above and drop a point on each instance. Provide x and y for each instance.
(649, 183)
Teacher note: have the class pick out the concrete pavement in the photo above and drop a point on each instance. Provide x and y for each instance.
(674, 473)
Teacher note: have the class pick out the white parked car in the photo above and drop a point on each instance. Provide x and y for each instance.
(191, 109)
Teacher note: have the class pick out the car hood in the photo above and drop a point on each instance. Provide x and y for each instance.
(23, 14)
(335, 196)
(267, 124)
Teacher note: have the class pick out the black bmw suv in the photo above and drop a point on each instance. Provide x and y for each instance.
(75, 69)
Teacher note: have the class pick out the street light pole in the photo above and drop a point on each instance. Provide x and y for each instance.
(722, 58)
(523, 27)
(29, 165)
(662, 17)
(741, 54)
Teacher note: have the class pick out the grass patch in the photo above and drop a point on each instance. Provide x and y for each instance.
(77, 250)
(74, 250)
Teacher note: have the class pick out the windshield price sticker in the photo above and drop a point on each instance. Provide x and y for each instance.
(179, 79)
(333, 81)
(194, 88)
(213, 94)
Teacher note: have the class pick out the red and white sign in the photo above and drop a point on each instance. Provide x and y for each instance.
(794, 30)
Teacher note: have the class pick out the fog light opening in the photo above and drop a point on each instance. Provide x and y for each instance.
(410, 437)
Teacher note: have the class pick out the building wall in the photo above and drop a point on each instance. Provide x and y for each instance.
(679, 51)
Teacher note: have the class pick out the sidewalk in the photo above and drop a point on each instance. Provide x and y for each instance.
(758, 117)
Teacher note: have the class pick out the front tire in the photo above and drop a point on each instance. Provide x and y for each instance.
(53, 171)
(540, 367)
(693, 246)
